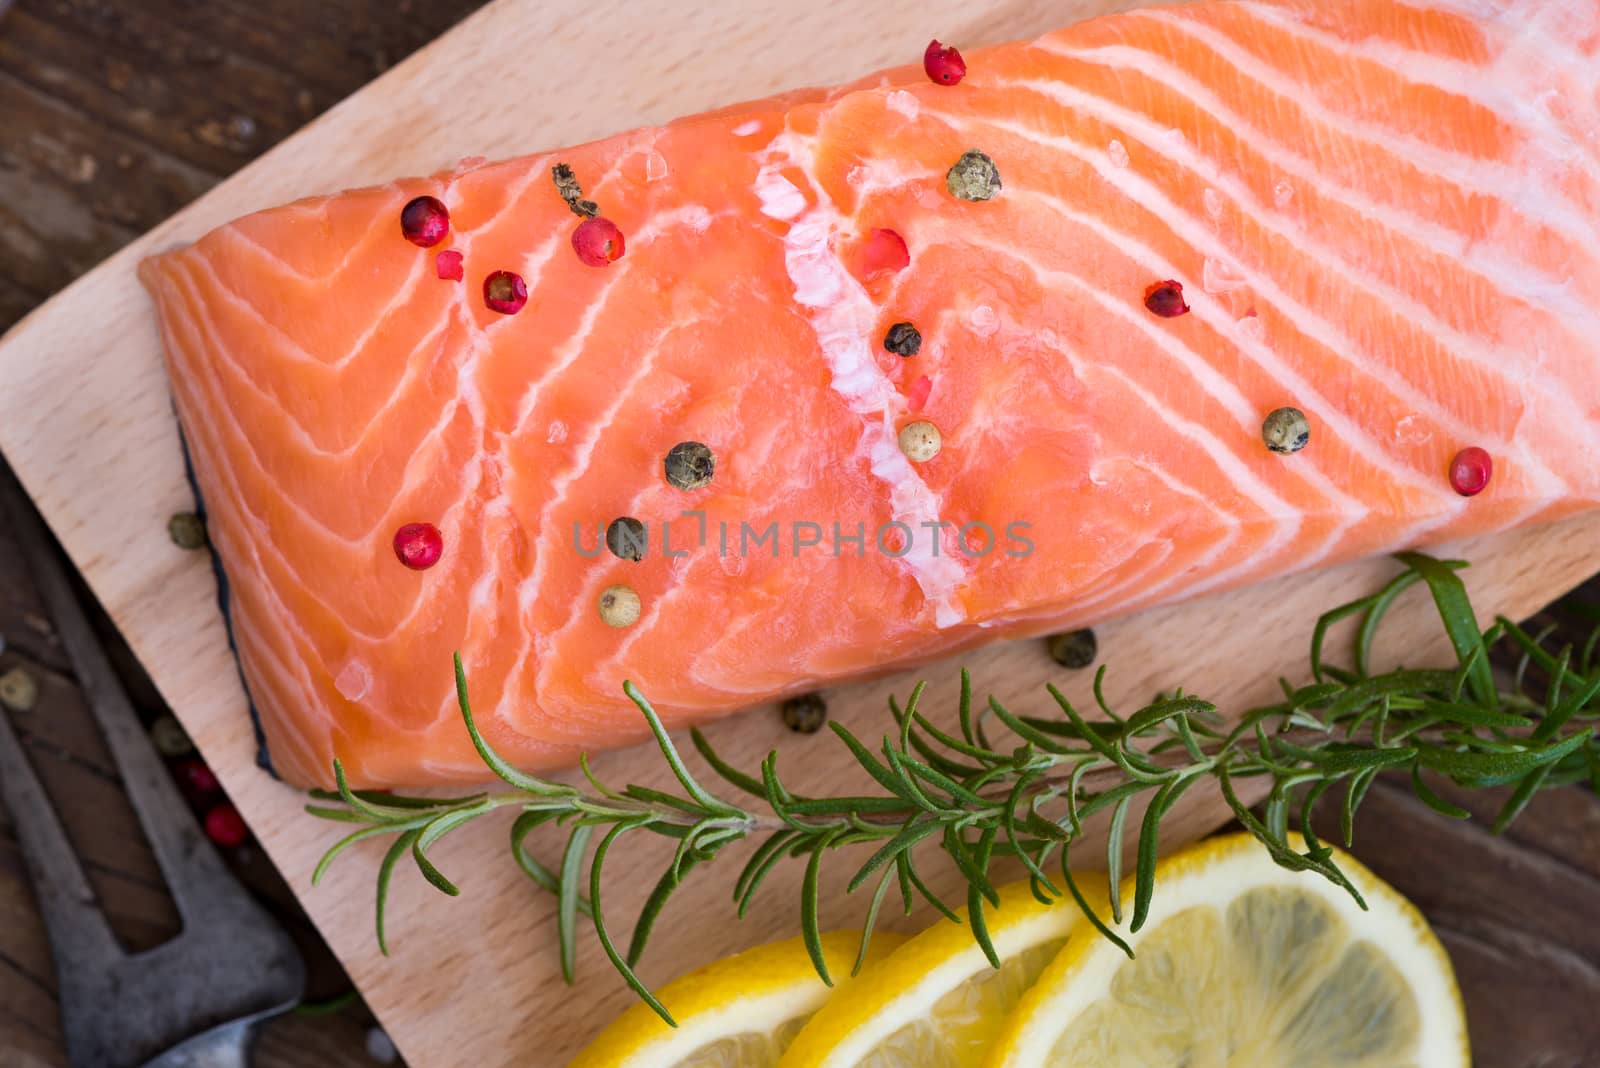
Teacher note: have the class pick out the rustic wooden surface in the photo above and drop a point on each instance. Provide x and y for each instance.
(120, 112)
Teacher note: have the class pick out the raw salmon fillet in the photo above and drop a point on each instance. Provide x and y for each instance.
(1384, 214)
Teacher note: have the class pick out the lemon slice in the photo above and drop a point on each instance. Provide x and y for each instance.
(1244, 963)
(936, 1002)
(739, 1012)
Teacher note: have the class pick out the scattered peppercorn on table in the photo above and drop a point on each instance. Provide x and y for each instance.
(475, 981)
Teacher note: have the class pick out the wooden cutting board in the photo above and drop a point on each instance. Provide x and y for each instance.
(86, 422)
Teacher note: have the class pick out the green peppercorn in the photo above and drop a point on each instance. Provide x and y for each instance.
(170, 738)
(1286, 430)
(805, 714)
(187, 531)
(1074, 649)
(690, 465)
(974, 177)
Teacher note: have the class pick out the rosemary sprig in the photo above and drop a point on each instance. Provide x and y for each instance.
(976, 799)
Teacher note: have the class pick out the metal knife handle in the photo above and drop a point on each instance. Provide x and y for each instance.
(227, 1046)
(192, 869)
(80, 937)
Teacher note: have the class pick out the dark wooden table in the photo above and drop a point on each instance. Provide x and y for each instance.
(118, 112)
(114, 114)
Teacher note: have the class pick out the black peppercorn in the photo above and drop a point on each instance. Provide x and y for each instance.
(1075, 649)
(690, 465)
(806, 713)
(627, 538)
(903, 339)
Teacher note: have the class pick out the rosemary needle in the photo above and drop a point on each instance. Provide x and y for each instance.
(972, 800)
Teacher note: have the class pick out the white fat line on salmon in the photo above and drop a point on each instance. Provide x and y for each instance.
(296, 352)
(1524, 186)
(498, 514)
(1115, 593)
(183, 283)
(224, 494)
(1077, 608)
(533, 266)
(598, 578)
(482, 601)
(572, 350)
(201, 327)
(758, 449)
(1210, 381)
(1306, 321)
(1249, 344)
(296, 738)
(317, 212)
(1502, 267)
(842, 316)
(692, 216)
(1489, 177)
(1482, 86)
(242, 238)
(1548, 26)
(582, 448)
(1207, 377)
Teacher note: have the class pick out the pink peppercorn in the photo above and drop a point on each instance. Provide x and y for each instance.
(917, 395)
(885, 250)
(1166, 300)
(226, 827)
(1470, 471)
(505, 292)
(598, 241)
(943, 64)
(418, 545)
(424, 221)
(196, 779)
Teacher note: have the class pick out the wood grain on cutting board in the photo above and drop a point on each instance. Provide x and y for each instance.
(86, 421)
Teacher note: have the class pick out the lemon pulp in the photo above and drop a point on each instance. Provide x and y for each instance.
(937, 1002)
(1274, 980)
(749, 1050)
(961, 1027)
(740, 1012)
(1244, 964)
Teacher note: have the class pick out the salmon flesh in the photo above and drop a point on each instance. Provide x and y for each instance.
(1385, 215)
